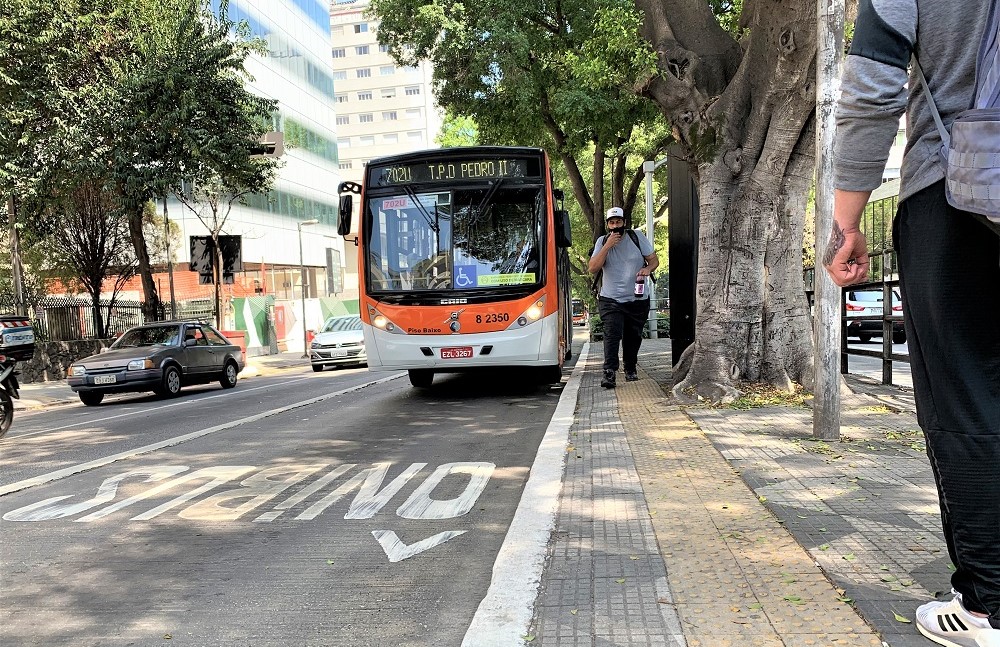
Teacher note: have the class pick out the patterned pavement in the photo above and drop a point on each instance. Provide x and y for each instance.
(716, 526)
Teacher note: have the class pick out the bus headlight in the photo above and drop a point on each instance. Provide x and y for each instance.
(382, 322)
(534, 312)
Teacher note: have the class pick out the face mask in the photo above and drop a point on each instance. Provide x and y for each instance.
(617, 230)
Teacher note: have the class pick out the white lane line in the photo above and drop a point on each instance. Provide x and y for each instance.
(107, 460)
(132, 412)
(505, 613)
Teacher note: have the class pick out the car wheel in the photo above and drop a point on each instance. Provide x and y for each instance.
(91, 398)
(421, 377)
(318, 368)
(171, 384)
(229, 375)
(899, 337)
(865, 338)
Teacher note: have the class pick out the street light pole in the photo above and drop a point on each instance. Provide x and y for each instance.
(648, 167)
(302, 278)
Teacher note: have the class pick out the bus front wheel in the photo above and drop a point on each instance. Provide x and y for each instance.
(421, 377)
(550, 374)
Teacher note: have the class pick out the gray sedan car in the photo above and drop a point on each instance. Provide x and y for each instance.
(160, 357)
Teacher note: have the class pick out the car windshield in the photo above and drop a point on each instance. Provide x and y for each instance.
(338, 324)
(872, 297)
(148, 336)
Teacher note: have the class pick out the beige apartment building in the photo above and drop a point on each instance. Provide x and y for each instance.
(382, 108)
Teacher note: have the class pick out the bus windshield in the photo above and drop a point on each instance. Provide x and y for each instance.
(461, 239)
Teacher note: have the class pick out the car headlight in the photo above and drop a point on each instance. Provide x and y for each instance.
(77, 371)
(314, 345)
(139, 364)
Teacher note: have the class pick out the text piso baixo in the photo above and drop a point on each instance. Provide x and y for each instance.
(265, 486)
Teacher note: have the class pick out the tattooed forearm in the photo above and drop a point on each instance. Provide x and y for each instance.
(837, 240)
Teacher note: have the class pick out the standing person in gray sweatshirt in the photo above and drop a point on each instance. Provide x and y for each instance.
(949, 265)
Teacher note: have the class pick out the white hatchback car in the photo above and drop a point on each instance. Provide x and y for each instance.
(867, 303)
(339, 342)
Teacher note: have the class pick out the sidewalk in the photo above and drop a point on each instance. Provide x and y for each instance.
(36, 395)
(715, 526)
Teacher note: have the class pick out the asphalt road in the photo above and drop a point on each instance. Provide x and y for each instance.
(871, 367)
(300, 509)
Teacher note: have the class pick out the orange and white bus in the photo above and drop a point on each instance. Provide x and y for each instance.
(462, 262)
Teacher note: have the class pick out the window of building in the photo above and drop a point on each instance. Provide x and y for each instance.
(336, 30)
(339, 75)
(415, 136)
(364, 72)
(413, 113)
(389, 115)
(344, 142)
(361, 50)
(388, 93)
(366, 117)
(387, 70)
(341, 98)
(345, 166)
(365, 95)
(383, 48)
(412, 90)
(367, 140)
(339, 52)
(390, 138)
(361, 28)
(343, 120)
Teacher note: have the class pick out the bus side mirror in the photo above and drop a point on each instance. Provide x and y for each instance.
(564, 232)
(344, 219)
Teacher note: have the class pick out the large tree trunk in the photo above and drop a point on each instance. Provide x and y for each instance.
(753, 146)
(151, 302)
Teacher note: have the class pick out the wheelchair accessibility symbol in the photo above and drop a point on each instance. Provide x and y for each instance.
(465, 276)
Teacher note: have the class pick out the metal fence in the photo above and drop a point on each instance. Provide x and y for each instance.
(72, 318)
(876, 223)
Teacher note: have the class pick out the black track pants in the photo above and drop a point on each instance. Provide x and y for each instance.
(623, 324)
(950, 282)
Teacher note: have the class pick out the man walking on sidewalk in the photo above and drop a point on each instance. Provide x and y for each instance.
(625, 258)
(949, 265)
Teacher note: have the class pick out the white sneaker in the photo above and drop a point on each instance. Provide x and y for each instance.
(949, 624)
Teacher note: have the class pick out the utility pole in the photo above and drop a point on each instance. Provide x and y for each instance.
(170, 261)
(16, 271)
(826, 317)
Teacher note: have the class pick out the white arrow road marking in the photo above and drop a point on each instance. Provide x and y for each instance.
(397, 551)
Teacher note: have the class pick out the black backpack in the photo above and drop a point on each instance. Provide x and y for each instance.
(595, 285)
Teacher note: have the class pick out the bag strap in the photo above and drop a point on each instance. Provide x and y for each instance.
(945, 135)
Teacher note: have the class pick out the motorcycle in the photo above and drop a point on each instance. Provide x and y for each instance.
(17, 343)
(8, 392)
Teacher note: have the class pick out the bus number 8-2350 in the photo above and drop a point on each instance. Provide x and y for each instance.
(493, 317)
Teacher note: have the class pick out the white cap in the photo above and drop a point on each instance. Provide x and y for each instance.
(615, 212)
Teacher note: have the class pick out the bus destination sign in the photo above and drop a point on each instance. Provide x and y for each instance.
(455, 171)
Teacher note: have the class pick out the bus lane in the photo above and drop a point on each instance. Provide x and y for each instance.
(370, 518)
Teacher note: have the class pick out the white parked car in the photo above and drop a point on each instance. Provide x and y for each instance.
(339, 342)
(867, 303)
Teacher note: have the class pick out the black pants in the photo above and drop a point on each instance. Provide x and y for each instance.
(950, 281)
(623, 324)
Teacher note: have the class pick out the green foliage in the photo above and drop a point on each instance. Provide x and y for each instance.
(551, 75)
(458, 130)
(728, 13)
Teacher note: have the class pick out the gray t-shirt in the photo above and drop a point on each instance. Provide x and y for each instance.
(944, 35)
(624, 260)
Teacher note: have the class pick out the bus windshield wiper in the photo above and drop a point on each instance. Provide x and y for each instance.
(423, 212)
(489, 196)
